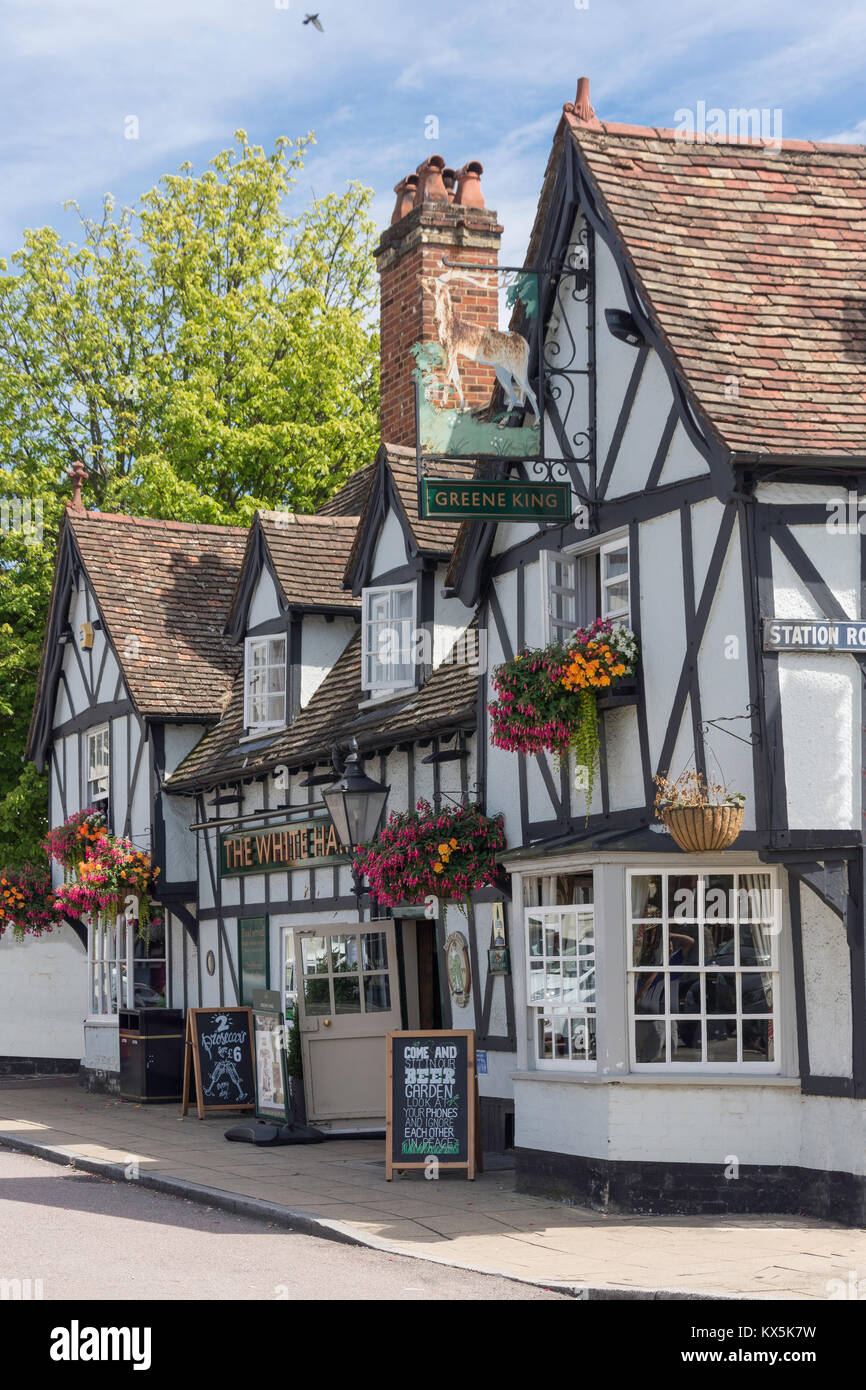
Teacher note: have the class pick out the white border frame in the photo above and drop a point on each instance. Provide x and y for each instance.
(366, 595)
(269, 637)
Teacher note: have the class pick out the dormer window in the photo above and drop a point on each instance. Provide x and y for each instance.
(388, 638)
(97, 760)
(265, 683)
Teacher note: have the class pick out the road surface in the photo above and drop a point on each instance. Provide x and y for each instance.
(86, 1237)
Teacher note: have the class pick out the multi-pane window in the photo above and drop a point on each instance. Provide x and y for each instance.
(97, 758)
(265, 689)
(127, 970)
(577, 589)
(389, 638)
(346, 974)
(561, 981)
(703, 970)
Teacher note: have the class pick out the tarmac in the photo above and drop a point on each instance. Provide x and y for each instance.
(338, 1190)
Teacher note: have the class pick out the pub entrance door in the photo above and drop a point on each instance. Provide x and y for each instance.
(348, 999)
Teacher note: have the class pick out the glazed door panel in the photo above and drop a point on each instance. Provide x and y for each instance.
(348, 999)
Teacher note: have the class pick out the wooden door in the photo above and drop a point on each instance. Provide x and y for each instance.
(348, 999)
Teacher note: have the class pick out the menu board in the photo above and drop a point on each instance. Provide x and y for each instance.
(432, 1101)
(220, 1048)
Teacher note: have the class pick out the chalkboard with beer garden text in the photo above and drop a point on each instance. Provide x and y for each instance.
(432, 1101)
(219, 1052)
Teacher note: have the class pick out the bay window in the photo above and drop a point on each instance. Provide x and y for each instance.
(561, 973)
(656, 969)
(265, 683)
(703, 970)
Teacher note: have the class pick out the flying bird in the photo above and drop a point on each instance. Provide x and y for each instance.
(314, 19)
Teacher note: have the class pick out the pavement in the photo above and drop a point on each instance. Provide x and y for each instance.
(338, 1190)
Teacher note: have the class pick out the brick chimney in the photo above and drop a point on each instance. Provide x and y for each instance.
(433, 220)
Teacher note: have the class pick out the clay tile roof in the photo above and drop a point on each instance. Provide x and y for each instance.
(309, 556)
(446, 701)
(351, 497)
(752, 261)
(437, 537)
(167, 584)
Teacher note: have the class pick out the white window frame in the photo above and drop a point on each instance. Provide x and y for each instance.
(99, 800)
(724, 1068)
(367, 596)
(257, 726)
(594, 549)
(111, 962)
(572, 1011)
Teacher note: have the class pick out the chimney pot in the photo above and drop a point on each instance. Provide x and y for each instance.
(449, 178)
(431, 188)
(405, 191)
(469, 185)
(78, 474)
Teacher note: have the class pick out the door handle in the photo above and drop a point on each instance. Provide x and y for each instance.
(326, 1023)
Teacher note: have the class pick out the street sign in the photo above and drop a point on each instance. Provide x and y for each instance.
(814, 635)
(508, 499)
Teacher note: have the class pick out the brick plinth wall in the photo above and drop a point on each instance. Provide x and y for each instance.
(413, 247)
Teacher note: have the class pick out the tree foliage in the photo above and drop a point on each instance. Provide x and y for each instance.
(204, 353)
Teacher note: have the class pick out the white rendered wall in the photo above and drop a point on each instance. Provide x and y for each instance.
(322, 643)
(265, 602)
(827, 974)
(43, 995)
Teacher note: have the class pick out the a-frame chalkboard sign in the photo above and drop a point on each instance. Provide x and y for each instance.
(219, 1053)
(432, 1101)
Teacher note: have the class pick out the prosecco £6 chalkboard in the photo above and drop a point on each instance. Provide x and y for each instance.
(431, 1101)
(219, 1050)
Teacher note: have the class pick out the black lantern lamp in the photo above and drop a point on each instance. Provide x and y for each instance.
(355, 802)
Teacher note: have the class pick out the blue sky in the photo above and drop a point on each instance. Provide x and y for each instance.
(494, 74)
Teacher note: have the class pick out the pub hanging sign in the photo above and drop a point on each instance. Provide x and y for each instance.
(309, 844)
(509, 498)
(814, 635)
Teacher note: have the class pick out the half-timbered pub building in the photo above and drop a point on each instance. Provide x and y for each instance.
(678, 1030)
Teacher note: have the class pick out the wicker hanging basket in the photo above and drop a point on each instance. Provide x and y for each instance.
(698, 829)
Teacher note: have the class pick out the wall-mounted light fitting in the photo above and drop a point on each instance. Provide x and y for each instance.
(622, 325)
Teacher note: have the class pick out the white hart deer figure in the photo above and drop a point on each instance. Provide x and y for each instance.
(506, 353)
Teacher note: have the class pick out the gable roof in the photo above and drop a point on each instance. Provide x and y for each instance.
(752, 264)
(396, 484)
(166, 583)
(446, 701)
(309, 556)
(350, 498)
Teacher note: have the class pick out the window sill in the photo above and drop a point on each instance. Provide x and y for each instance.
(404, 692)
(625, 694)
(658, 1079)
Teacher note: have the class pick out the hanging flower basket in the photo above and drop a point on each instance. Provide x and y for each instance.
(68, 842)
(27, 901)
(447, 854)
(110, 871)
(548, 697)
(700, 817)
(699, 829)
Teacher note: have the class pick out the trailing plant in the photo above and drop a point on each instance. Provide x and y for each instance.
(111, 870)
(27, 901)
(446, 853)
(547, 698)
(67, 842)
(692, 789)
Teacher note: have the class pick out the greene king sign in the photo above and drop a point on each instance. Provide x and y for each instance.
(510, 498)
(813, 635)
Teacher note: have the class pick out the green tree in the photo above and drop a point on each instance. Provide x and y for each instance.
(204, 353)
